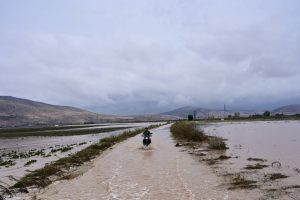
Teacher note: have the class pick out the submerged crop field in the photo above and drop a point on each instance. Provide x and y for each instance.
(30, 149)
(56, 131)
(47, 128)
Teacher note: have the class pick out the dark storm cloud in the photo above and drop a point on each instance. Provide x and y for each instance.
(150, 56)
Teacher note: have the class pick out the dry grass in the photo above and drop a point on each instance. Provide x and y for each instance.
(189, 131)
(216, 143)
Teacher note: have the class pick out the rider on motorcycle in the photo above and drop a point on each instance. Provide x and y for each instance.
(147, 134)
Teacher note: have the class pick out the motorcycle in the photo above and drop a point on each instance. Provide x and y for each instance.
(146, 141)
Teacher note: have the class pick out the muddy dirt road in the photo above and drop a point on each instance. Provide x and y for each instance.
(130, 172)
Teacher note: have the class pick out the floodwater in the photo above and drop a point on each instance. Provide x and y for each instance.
(26, 144)
(129, 171)
(276, 142)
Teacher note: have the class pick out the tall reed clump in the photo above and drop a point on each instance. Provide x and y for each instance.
(187, 131)
(216, 143)
(58, 169)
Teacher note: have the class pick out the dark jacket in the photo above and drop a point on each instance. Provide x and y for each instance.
(147, 133)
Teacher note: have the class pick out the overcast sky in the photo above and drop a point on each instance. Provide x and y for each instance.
(151, 56)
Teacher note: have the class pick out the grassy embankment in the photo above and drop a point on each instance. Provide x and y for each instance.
(55, 131)
(59, 169)
(189, 131)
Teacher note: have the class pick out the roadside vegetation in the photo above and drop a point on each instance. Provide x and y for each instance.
(61, 168)
(186, 130)
(216, 143)
(189, 131)
(68, 132)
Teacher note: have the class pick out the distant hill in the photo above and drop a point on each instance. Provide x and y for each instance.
(22, 112)
(288, 110)
(154, 117)
(204, 113)
(187, 110)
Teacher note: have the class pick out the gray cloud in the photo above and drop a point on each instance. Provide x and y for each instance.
(151, 56)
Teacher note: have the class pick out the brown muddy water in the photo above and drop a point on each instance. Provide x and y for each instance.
(275, 145)
(50, 148)
(129, 171)
(163, 171)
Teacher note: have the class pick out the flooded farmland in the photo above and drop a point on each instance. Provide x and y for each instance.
(261, 163)
(22, 154)
(131, 172)
(266, 152)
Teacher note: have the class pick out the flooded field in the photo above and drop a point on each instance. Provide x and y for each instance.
(21, 154)
(261, 163)
(266, 152)
(162, 171)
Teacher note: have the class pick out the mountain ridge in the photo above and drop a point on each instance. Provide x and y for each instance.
(15, 112)
(18, 112)
(23, 112)
(291, 109)
(185, 111)
(201, 113)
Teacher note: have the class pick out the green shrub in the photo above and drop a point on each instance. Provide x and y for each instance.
(29, 162)
(7, 163)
